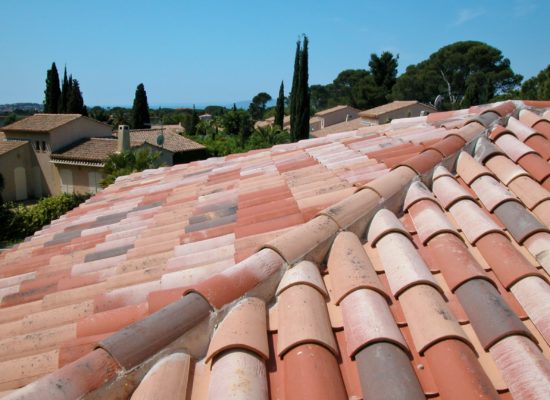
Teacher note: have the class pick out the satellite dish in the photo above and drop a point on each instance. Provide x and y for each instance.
(160, 139)
(437, 102)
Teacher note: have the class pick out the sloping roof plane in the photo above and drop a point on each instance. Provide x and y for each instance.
(393, 106)
(44, 122)
(407, 260)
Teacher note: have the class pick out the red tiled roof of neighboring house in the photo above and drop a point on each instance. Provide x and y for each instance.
(173, 141)
(334, 109)
(95, 150)
(42, 122)
(9, 145)
(407, 260)
(386, 108)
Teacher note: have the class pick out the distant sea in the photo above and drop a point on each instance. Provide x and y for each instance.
(239, 104)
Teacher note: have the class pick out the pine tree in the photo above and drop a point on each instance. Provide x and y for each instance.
(75, 102)
(140, 110)
(52, 92)
(294, 93)
(302, 118)
(280, 107)
(65, 89)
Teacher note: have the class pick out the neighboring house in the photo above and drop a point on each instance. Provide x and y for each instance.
(179, 147)
(48, 154)
(46, 134)
(345, 126)
(16, 167)
(270, 121)
(80, 163)
(270, 274)
(332, 116)
(205, 117)
(396, 109)
(320, 120)
(315, 124)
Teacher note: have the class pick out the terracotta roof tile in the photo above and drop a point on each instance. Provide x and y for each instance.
(9, 145)
(91, 150)
(395, 105)
(41, 122)
(437, 296)
(173, 141)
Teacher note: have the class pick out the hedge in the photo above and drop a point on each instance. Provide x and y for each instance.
(18, 221)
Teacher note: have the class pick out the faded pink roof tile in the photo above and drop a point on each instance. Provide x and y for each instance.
(253, 275)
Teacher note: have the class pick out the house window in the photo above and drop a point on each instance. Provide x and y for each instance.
(43, 146)
(94, 178)
(37, 145)
(66, 181)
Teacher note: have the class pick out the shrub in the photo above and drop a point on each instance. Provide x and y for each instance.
(19, 221)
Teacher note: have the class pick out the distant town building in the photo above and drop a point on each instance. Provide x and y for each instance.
(396, 109)
(47, 154)
(205, 117)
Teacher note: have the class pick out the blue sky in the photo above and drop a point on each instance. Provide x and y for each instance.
(224, 51)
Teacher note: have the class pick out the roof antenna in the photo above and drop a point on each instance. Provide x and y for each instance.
(438, 101)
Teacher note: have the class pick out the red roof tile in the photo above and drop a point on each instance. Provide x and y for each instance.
(294, 283)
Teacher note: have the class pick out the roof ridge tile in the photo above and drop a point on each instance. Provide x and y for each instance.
(429, 317)
(417, 192)
(469, 169)
(404, 267)
(430, 221)
(383, 223)
(303, 273)
(350, 268)
(303, 319)
(368, 320)
(244, 327)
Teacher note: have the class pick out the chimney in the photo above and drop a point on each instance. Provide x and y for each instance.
(123, 138)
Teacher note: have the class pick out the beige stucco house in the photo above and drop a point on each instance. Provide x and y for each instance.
(43, 134)
(396, 109)
(332, 116)
(321, 119)
(48, 154)
(17, 165)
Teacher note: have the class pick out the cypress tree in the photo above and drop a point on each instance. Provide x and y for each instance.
(302, 115)
(65, 89)
(52, 92)
(194, 121)
(75, 102)
(294, 93)
(140, 110)
(280, 107)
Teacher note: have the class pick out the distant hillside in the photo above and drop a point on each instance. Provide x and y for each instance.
(28, 107)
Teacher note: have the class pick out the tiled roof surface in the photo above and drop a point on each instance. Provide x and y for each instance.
(271, 274)
(91, 149)
(334, 109)
(6, 146)
(173, 141)
(386, 108)
(41, 122)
